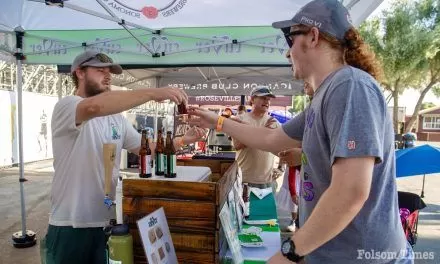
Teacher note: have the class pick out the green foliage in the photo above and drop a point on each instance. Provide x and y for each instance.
(298, 104)
(406, 40)
(427, 105)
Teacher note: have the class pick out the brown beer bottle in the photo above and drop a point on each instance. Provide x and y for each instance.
(170, 154)
(159, 154)
(144, 157)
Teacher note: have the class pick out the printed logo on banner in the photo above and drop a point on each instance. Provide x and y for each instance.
(153, 10)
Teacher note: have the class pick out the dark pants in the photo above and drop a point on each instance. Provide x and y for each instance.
(66, 244)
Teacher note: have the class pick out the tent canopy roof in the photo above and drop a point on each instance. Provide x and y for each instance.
(159, 41)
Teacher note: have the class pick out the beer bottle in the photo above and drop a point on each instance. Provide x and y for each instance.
(144, 157)
(170, 154)
(159, 154)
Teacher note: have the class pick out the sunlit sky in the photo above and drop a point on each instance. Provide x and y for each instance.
(408, 98)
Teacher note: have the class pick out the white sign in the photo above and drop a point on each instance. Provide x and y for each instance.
(37, 132)
(156, 238)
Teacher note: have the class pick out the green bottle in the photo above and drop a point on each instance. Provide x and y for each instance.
(120, 245)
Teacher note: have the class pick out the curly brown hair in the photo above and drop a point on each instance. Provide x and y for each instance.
(357, 53)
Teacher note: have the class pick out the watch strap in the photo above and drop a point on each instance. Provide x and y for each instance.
(291, 255)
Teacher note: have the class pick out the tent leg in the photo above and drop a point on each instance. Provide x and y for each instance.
(156, 111)
(24, 238)
(423, 187)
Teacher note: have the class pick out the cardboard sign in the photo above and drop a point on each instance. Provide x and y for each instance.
(156, 238)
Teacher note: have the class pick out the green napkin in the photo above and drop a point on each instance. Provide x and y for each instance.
(262, 209)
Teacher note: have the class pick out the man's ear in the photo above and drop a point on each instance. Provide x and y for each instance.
(251, 101)
(315, 36)
(80, 73)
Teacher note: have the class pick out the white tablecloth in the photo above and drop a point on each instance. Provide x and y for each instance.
(184, 173)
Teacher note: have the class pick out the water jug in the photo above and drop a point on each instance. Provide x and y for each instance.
(120, 245)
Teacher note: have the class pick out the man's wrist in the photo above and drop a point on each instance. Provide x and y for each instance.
(298, 244)
(288, 250)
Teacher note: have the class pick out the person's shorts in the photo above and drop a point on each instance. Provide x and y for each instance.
(65, 245)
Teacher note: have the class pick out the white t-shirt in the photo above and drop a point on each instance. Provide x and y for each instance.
(78, 185)
(256, 164)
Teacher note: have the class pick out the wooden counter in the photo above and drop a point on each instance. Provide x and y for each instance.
(191, 209)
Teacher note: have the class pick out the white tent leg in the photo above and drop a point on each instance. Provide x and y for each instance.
(24, 238)
(156, 111)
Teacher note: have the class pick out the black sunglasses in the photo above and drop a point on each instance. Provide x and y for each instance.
(101, 57)
(289, 36)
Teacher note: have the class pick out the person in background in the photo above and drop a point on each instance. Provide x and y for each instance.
(287, 196)
(409, 139)
(348, 179)
(292, 175)
(256, 165)
(81, 124)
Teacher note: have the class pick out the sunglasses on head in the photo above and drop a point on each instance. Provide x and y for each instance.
(101, 57)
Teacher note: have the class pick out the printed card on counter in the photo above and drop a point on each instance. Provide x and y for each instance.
(231, 235)
(156, 238)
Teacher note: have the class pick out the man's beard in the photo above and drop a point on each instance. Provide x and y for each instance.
(93, 88)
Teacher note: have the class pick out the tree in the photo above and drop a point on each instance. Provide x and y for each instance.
(427, 105)
(298, 104)
(429, 77)
(402, 39)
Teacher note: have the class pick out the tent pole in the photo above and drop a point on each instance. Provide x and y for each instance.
(24, 238)
(156, 110)
(423, 187)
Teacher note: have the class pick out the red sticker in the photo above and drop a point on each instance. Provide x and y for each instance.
(351, 145)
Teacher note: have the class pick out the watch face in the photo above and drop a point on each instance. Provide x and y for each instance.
(285, 248)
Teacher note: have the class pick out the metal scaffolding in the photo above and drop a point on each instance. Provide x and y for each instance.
(43, 79)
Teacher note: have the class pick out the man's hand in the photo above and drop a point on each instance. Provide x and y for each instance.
(206, 118)
(291, 157)
(193, 135)
(295, 199)
(278, 258)
(176, 95)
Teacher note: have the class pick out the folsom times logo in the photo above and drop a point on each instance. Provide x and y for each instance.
(389, 255)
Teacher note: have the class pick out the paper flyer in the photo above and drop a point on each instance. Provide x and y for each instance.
(231, 235)
(156, 238)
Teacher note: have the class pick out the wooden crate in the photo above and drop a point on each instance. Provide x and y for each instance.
(191, 208)
(218, 167)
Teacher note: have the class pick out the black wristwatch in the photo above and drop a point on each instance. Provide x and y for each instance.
(288, 251)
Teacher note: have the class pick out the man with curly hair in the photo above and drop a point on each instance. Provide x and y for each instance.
(348, 202)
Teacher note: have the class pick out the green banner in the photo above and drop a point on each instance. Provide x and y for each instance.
(176, 46)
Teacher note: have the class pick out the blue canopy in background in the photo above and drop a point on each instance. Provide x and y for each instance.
(281, 116)
(419, 160)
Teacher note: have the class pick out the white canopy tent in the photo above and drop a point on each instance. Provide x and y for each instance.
(156, 41)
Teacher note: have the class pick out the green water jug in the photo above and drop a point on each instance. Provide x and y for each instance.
(120, 245)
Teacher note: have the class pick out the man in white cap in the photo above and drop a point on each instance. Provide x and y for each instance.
(256, 164)
(81, 124)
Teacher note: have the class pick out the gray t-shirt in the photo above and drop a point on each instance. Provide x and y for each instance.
(348, 118)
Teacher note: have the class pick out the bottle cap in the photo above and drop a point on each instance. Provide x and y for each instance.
(120, 230)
